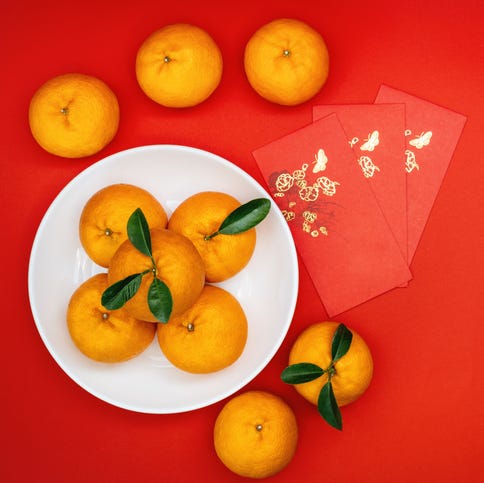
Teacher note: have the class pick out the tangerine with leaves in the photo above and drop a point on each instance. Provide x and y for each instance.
(74, 115)
(179, 65)
(104, 218)
(222, 230)
(286, 61)
(330, 366)
(154, 274)
(256, 434)
(101, 334)
(209, 336)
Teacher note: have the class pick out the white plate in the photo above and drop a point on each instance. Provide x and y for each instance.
(267, 287)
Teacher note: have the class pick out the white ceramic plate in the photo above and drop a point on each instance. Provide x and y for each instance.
(267, 287)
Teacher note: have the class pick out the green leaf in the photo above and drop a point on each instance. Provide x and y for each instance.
(160, 301)
(328, 408)
(139, 232)
(301, 372)
(115, 296)
(244, 217)
(342, 338)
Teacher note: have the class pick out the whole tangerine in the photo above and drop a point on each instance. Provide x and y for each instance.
(352, 373)
(286, 61)
(105, 335)
(104, 218)
(256, 434)
(200, 215)
(74, 115)
(179, 65)
(177, 264)
(209, 336)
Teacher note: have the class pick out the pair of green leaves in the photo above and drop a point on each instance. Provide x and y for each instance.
(306, 372)
(160, 301)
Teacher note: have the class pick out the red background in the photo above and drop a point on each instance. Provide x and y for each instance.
(422, 417)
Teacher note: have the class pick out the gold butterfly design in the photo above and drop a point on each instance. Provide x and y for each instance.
(372, 141)
(423, 140)
(320, 161)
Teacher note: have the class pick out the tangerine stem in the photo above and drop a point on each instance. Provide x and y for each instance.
(209, 237)
(331, 371)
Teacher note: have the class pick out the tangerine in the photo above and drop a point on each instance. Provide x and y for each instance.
(256, 434)
(105, 335)
(209, 336)
(74, 115)
(352, 373)
(179, 65)
(177, 264)
(286, 61)
(104, 218)
(200, 215)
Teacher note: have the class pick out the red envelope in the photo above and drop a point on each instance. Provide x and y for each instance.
(375, 132)
(338, 227)
(431, 133)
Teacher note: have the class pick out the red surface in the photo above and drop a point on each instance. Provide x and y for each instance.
(422, 417)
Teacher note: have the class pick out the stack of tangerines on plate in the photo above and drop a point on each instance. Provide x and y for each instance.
(162, 270)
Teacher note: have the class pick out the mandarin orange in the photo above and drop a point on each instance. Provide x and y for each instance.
(105, 335)
(286, 61)
(199, 216)
(179, 65)
(209, 336)
(352, 373)
(178, 265)
(74, 115)
(256, 434)
(104, 218)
